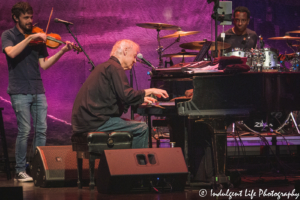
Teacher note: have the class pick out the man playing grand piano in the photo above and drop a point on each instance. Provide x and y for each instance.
(106, 93)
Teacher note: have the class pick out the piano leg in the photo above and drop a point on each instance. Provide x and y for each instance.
(219, 146)
(186, 153)
(150, 131)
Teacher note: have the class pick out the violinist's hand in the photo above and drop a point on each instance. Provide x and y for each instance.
(149, 100)
(39, 36)
(68, 46)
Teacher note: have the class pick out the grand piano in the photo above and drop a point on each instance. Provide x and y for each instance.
(220, 99)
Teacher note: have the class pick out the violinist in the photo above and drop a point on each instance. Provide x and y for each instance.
(25, 85)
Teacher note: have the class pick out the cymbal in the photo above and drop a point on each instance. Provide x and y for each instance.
(181, 33)
(181, 54)
(296, 45)
(298, 31)
(199, 44)
(159, 26)
(286, 37)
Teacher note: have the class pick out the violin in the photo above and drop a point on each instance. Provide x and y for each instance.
(53, 39)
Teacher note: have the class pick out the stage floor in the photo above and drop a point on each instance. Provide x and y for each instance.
(251, 185)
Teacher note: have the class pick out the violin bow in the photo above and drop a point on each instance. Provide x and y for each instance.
(49, 21)
(78, 49)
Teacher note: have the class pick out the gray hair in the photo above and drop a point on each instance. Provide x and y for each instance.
(121, 45)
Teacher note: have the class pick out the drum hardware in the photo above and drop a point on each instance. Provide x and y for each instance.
(199, 44)
(295, 58)
(297, 46)
(171, 63)
(286, 37)
(297, 31)
(295, 123)
(295, 61)
(274, 122)
(180, 33)
(159, 27)
(183, 54)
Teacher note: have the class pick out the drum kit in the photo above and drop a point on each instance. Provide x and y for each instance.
(259, 59)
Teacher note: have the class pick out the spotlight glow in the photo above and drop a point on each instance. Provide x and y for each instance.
(50, 116)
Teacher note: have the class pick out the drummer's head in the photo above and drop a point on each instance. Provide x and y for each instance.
(126, 52)
(241, 18)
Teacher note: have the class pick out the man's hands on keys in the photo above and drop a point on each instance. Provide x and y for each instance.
(157, 92)
(149, 100)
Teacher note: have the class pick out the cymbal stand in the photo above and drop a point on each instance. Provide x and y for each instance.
(160, 49)
(290, 45)
(284, 67)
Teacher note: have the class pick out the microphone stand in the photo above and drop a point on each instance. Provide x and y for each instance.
(90, 61)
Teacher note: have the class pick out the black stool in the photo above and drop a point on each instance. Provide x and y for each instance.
(4, 145)
(91, 145)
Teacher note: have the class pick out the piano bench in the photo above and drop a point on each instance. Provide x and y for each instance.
(92, 144)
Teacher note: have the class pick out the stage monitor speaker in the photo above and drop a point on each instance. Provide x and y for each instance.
(56, 166)
(123, 170)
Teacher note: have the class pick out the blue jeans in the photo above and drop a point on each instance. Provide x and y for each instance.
(24, 106)
(138, 129)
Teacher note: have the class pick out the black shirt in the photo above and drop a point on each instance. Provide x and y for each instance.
(246, 41)
(103, 95)
(24, 73)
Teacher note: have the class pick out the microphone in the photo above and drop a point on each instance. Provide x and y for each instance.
(140, 56)
(62, 21)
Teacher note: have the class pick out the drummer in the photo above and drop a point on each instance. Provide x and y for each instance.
(240, 36)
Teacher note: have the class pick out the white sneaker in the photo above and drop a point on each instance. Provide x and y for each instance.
(23, 177)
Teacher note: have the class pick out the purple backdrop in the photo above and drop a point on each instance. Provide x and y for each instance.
(99, 24)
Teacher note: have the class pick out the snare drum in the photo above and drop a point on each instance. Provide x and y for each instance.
(239, 53)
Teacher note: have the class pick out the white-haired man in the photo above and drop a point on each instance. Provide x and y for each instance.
(101, 100)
